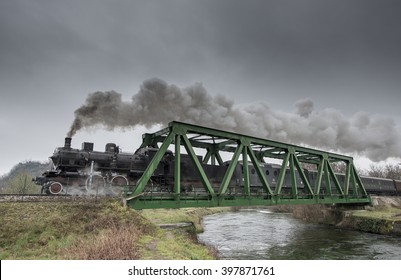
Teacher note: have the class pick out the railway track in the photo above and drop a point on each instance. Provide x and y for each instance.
(68, 197)
(44, 198)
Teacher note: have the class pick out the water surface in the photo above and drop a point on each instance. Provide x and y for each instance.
(261, 234)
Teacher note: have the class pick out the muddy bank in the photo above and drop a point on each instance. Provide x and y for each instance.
(383, 216)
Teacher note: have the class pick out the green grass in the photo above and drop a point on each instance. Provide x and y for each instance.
(179, 243)
(189, 215)
(102, 230)
(173, 245)
(377, 220)
(387, 213)
(49, 230)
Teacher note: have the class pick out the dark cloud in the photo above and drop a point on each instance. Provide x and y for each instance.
(339, 54)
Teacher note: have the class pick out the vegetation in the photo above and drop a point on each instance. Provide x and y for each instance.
(21, 184)
(89, 230)
(378, 220)
(188, 215)
(17, 174)
(384, 212)
(390, 171)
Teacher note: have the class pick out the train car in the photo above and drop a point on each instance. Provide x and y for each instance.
(397, 184)
(271, 173)
(372, 185)
(379, 185)
(312, 176)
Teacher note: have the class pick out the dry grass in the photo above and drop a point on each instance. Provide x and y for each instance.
(74, 230)
(104, 230)
(115, 243)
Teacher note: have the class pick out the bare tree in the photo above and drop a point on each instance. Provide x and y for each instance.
(339, 167)
(393, 171)
(21, 184)
(376, 171)
(390, 171)
(309, 166)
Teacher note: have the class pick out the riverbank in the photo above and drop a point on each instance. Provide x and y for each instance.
(98, 230)
(107, 230)
(382, 217)
(177, 238)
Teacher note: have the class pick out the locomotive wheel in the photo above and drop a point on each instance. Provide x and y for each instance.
(117, 184)
(55, 188)
(97, 186)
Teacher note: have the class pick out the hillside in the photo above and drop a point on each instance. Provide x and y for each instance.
(31, 168)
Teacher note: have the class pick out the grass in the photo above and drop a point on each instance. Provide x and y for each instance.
(387, 213)
(174, 245)
(179, 243)
(189, 215)
(64, 230)
(102, 230)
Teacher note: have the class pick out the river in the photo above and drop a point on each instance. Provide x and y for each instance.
(262, 234)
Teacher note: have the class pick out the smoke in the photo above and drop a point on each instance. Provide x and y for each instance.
(157, 103)
(304, 107)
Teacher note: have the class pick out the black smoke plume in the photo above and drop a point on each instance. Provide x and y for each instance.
(157, 103)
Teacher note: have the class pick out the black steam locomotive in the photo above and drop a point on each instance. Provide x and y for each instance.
(77, 171)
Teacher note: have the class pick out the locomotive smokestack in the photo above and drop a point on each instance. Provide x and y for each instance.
(67, 142)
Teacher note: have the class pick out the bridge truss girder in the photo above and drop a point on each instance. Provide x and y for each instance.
(254, 151)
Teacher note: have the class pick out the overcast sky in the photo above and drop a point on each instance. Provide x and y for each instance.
(341, 54)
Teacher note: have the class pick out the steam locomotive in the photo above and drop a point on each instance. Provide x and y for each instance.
(94, 172)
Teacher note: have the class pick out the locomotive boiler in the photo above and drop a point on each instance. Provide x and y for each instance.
(92, 171)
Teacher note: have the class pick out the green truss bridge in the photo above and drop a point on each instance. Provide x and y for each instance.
(255, 172)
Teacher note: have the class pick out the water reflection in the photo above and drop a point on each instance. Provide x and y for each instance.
(261, 234)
